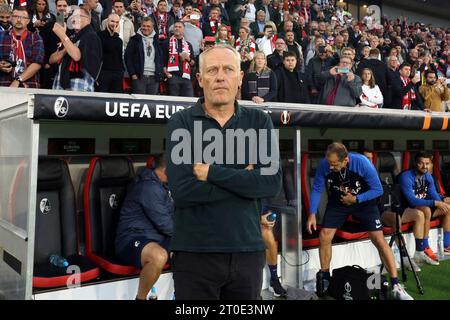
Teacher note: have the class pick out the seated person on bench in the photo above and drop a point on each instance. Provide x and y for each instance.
(419, 191)
(271, 252)
(146, 225)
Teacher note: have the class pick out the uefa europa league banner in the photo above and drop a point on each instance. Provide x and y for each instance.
(104, 109)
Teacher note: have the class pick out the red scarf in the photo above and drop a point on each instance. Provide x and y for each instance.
(22, 4)
(174, 57)
(409, 97)
(332, 95)
(214, 24)
(18, 52)
(163, 20)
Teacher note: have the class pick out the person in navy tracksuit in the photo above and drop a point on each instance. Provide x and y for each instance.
(353, 187)
(145, 226)
(419, 192)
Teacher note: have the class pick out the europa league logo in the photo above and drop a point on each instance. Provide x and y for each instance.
(285, 117)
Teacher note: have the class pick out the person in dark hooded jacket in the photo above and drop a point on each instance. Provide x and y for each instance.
(146, 225)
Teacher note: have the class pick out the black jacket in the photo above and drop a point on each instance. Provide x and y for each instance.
(112, 51)
(291, 91)
(146, 212)
(134, 57)
(398, 92)
(314, 69)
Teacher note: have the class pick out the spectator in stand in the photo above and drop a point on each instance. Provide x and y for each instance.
(404, 91)
(259, 83)
(21, 53)
(212, 23)
(223, 36)
(379, 70)
(137, 13)
(434, 92)
(275, 60)
(176, 11)
(340, 88)
(111, 74)
(178, 58)
(148, 7)
(267, 43)
(223, 14)
(250, 10)
(126, 30)
(90, 6)
(143, 58)
(371, 95)
(272, 14)
(163, 21)
(41, 20)
(258, 27)
(292, 85)
(320, 63)
(80, 59)
(5, 18)
(193, 34)
(294, 47)
(246, 47)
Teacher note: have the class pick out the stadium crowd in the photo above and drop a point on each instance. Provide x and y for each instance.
(299, 51)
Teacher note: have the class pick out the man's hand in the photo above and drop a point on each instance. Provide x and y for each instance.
(6, 69)
(200, 171)
(60, 31)
(134, 77)
(333, 71)
(15, 84)
(350, 76)
(257, 99)
(185, 56)
(311, 224)
(415, 79)
(265, 222)
(444, 207)
(348, 199)
(249, 167)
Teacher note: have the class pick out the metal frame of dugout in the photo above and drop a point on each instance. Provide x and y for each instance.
(27, 117)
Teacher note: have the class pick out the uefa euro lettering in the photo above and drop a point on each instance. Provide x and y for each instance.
(138, 110)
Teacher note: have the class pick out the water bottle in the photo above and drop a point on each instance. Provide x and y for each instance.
(440, 249)
(153, 295)
(272, 217)
(58, 261)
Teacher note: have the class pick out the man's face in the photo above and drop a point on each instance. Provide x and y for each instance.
(176, 9)
(178, 29)
(345, 63)
(92, 4)
(393, 63)
(335, 164)
(220, 76)
(62, 6)
(187, 10)
(405, 71)
(261, 16)
(280, 45)
(78, 19)
(147, 28)
(214, 14)
(347, 54)
(5, 18)
(19, 19)
(268, 32)
(288, 26)
(290, 63)
(339, 41)
(290, 37)
(431, 79)
(119, 8)
(113, 22)
(162, 7)
(423, 165)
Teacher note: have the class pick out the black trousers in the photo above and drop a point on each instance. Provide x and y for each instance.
(110, 81)
(218, 276)
(179, 86)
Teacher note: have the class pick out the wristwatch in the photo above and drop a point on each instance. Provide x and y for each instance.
(19, 78)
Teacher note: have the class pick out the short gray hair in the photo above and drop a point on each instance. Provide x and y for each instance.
(220, 46)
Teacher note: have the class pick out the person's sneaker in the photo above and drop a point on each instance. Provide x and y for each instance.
(421, 257)
(411, 266)
(276, 288)
(399, 293)
(447, 251)
(322, 284)
(431, 254)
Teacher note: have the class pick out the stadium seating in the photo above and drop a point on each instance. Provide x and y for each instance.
(104, 193)
(56, 227)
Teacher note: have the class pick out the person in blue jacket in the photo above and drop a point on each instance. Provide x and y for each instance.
(353, 187)
(419, 192)
(146, 225)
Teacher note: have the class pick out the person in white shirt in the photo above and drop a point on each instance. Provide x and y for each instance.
(371, 94)
(266, 44)
(250, 12)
